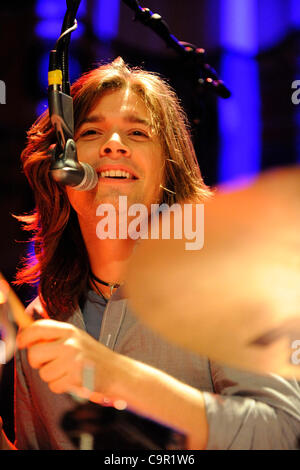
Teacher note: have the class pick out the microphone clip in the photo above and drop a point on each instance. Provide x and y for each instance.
(64, 162)
(66, 170)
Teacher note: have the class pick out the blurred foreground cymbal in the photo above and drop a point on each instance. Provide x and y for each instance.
(16, 308)
(237, 300)
(11, 310)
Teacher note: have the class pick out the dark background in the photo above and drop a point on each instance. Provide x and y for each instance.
(200, 22)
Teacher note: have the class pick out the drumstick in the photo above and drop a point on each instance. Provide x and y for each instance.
(17, 309)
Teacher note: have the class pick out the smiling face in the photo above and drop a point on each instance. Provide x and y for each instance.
(117, 140)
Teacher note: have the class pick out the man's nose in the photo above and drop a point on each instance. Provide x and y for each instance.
(114, 147)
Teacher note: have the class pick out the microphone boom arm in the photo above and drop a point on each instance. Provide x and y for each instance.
(188, 52)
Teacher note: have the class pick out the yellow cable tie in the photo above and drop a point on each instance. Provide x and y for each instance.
(55, 77)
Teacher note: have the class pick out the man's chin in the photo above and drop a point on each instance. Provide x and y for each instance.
(119, 199)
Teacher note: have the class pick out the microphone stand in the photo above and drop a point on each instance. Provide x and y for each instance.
(65, 167)
(206, 76)
(64, 156)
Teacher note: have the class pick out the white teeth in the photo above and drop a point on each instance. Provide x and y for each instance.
(112, 173)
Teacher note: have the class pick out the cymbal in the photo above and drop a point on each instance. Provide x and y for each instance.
(11, 309)
(16, 308)
(236, 300)
(7, 331)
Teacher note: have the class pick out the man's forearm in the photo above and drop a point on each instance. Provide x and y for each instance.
(155, 394)
(60, 350)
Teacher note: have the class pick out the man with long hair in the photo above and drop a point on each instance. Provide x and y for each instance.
(130, 127)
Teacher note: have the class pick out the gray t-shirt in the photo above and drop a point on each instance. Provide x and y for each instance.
(244, 411)
(93, 311)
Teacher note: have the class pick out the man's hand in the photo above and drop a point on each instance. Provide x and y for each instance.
(61, 351)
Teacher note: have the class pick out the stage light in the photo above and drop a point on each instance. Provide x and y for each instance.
(106, 19)
(239, 116)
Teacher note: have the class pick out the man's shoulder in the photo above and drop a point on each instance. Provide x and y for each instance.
(36, 310)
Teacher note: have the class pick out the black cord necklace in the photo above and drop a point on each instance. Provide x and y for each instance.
(111, 285)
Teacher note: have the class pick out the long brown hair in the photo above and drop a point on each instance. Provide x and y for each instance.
(61, 265)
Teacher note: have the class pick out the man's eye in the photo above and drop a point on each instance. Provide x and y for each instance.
(138, 133)
(90, 133)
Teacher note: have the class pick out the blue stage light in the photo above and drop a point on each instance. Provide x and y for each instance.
(54, 9)
(50, 29)
(239, 119)
(50, 14)
(238, 28)
(41, 107)
(239, 116)
(106, 19)
(295, 13)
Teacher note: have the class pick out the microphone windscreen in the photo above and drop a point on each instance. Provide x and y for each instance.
(90, 178)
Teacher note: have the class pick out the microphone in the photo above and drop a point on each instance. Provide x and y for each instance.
(68, 171)
(81, 178)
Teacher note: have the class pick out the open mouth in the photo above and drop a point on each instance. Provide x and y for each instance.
(117, 174)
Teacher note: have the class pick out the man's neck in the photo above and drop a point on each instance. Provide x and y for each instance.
(108, 258)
